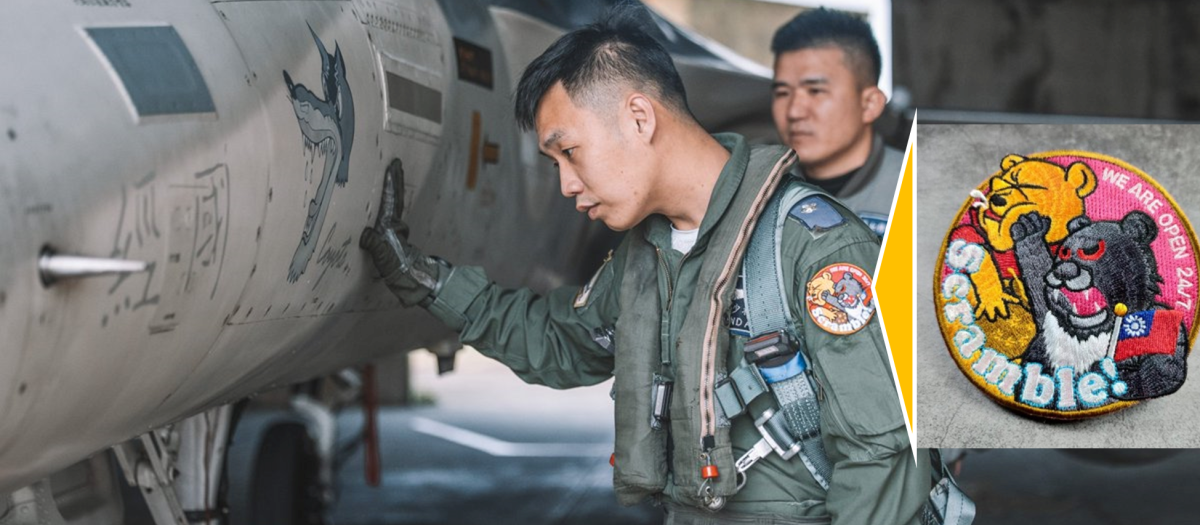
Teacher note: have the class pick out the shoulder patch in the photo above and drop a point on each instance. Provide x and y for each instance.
(817, 214)
(839, 298)
(1099, 311)
(585, 293)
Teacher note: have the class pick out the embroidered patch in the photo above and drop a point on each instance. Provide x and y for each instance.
(585, 293)
(817, 214)
(1066, 287)
(839, 298)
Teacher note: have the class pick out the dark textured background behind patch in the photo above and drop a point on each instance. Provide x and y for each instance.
(1110, 58)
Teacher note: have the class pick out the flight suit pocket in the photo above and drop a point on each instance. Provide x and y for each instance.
(857, 383)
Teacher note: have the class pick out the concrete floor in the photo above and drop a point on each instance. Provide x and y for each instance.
(489, 450)
(493, 450)
(952, 160)
(1019, 487)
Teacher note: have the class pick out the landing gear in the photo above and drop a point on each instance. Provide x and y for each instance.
(178, 468)
(286, 487)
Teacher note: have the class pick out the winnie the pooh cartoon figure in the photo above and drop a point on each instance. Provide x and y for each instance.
(819, 289)
(1023, 185)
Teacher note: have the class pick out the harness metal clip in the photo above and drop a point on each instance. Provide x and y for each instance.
(769, 443)
(712, 502)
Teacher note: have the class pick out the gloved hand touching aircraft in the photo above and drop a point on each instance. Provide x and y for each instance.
(411, 275)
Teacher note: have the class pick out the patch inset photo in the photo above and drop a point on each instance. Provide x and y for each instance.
(1063, 284)
(1067, 286)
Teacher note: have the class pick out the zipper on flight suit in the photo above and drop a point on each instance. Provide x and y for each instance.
(668, 349)
(664, 320)
(708, 353)
(664, 353)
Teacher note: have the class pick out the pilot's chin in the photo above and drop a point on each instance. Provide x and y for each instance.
(616, 226)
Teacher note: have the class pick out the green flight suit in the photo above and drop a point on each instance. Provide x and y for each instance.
(553, 340)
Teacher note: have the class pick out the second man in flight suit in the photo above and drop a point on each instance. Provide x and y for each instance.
(824, 102)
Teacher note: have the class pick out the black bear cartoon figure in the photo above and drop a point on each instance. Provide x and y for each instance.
(850, 297)
(1102, 273)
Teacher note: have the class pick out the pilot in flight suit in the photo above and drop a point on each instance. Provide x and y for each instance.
(659, 310)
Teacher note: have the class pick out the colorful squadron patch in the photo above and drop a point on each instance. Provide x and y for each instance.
(1066, 287)
(839, 298)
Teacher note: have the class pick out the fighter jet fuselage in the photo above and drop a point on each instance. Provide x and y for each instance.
(210, 166)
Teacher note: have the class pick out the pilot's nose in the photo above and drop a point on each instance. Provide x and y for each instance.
(797, 107)
(568, 182)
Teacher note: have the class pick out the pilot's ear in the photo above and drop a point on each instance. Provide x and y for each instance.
(1010, 160)
(642, 112)
(1082, 178)
(873, 102)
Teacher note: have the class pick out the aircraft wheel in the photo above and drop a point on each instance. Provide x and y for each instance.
(286, 487)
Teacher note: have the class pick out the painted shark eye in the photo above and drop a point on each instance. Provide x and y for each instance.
(1091, 254)
(1064, 253)
(998, 200)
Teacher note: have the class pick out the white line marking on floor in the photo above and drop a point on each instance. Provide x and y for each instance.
(501, 448)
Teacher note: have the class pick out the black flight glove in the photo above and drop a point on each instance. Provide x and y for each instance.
(412, 276)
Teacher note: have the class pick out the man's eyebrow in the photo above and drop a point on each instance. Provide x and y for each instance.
(809, 81)
(553, 137)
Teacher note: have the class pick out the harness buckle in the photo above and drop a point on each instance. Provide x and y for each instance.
(774, 432)
(770, 350)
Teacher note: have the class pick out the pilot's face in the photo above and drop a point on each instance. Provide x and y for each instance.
(820, 111)
(598, 164)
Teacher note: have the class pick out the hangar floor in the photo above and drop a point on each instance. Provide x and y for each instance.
(1017, 487)
(489, 449)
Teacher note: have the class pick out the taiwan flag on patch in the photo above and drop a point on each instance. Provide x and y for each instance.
(1148, 332)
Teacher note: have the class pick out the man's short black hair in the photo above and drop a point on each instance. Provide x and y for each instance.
(825, 27)
(593, 60)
